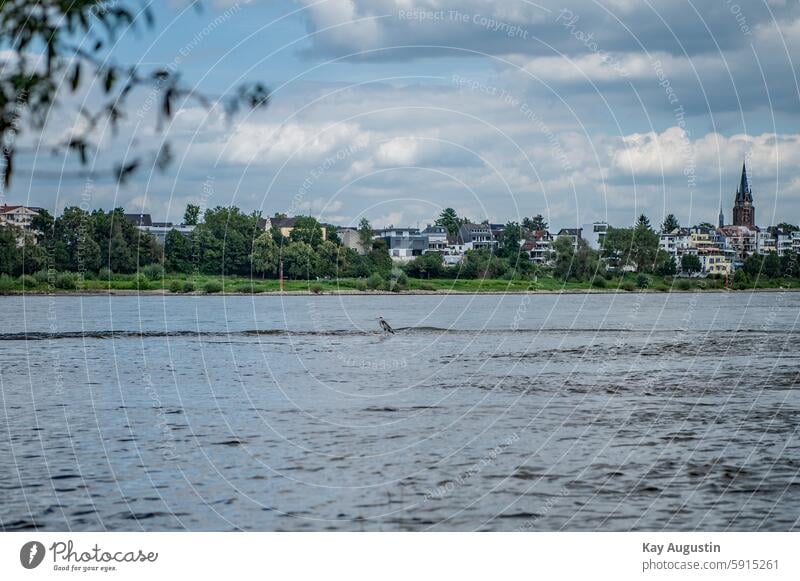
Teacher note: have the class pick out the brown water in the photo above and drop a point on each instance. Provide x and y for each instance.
(545, 412)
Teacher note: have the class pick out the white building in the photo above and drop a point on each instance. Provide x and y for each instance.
(158, 230)
(437, 238)
(594, 234)
(18, 216)
(403, 244)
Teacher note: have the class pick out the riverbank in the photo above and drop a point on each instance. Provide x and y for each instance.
(208, 285)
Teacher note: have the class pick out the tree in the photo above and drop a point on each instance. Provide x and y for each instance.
(298, 260)
(429, 265)
(33, 256)
(670, 223)
(789, 265)
(772, 265)
(378, 259)
(449, 219)
(120, 258)
(365, 234)
(690, 263)
(644, 246)
(265, 255)
(769, 265)
(76, 40)
(510, 241)
(617, 246)
(177, 252)
(224, 240)
(571, 263)
(330, 260)
(192, 215)
(42, 224)
(665, 264)
(9, 256)
(787, 226)
(306, 229)
(536, 223)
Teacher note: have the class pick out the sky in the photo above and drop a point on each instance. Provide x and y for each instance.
(395, 109)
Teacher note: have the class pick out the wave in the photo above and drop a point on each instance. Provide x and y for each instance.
(131, 334)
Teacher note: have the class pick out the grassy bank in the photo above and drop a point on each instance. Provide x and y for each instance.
(186, 284)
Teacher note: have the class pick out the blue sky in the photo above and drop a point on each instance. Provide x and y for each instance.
(395, 109)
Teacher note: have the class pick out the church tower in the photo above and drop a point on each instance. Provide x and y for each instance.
(744, 213)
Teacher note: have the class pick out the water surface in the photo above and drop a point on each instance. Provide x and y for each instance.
(542, 412)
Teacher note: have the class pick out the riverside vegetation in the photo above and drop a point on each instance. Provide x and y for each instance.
(227, 252)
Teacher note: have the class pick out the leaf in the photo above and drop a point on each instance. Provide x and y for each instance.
(124, 171)
(75, 80)
(111, 76)
(8, 167)
(167, 105)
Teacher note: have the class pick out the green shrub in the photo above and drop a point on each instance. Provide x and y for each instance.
(598, 282)
(188, 286)
(316, 288)
(213, 286)
(642, 281)
(66, 281)
(27, 281)
(175, 286)
(684, 284)
(628, 286)
(361, 284)
(375, 281)
(141, 282)
(104, 274)
(153, 271)
(245, 288)
(6, 283)
(426, 286)
(41, 276)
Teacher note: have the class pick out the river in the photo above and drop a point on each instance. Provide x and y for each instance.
(613, 412)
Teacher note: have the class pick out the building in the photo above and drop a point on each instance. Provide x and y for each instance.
(739, 241)
(476, 236)
(351, 238)
(744, 212)
(437, 238)
(286, 225)
(783, 239)
(675, 243)
(594, 234)
(18, 216)
(538, 246)
(574, 234)
(403, 244)
(714, 261)
(139, 220)
(159, 230)
(765, 242)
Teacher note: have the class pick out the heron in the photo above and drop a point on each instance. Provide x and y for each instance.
(385, 327)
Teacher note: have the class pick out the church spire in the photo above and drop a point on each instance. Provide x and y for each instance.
(744, 193)
(744, 212)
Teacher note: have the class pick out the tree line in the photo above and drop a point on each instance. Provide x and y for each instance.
(228, 241)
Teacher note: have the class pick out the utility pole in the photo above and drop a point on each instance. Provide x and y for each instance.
(280, 275)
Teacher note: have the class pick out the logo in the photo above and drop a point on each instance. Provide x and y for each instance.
(31, 554)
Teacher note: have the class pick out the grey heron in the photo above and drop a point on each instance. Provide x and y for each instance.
(385, 327)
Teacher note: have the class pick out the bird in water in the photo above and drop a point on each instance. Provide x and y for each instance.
(385, 327)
